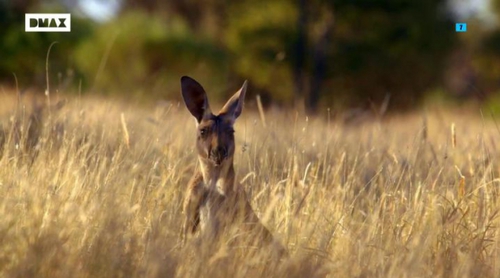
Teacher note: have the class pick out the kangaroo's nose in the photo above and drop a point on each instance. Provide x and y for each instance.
(218, 154)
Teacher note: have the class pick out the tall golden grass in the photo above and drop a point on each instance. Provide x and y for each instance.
(93, 188)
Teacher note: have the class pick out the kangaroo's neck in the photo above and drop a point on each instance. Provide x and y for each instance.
(220, 178)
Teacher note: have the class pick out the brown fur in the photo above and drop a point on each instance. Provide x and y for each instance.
(214, 201)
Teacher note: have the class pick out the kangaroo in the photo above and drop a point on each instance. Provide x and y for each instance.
(214, 200)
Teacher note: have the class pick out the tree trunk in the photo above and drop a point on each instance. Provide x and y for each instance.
(300, 53)
(319, 67)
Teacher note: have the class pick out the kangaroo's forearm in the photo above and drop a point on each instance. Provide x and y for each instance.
(192, 204)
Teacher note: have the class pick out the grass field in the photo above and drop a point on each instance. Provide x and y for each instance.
(93, 188)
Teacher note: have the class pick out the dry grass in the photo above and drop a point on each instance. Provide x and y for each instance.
(93, 189)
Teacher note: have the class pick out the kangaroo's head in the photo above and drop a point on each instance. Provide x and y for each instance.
(215, 133)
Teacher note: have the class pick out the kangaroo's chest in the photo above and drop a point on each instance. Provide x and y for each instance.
(217, 209)
(213, 211)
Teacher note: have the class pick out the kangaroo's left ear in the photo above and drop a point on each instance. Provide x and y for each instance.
(234, 105)
(195, 98)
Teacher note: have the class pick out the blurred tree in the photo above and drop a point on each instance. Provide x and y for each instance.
(139, 53)
(356, 51)
(396, 47)
(264, 44)
(482, 45)
(317, 53)
(196, 13)
(24, 54)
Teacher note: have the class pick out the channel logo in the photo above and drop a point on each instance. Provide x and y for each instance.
(48, 22)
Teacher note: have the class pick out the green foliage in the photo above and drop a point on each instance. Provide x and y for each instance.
(260, 36)
(114, 54)
(395, 47)
(486, 60)
(144, 53)
(492, 105)
(24, 54)
(352, 51)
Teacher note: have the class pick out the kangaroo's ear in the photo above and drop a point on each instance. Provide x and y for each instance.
(195, 98)
(234, 105)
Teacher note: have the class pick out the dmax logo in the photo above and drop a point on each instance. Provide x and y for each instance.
(47, 22)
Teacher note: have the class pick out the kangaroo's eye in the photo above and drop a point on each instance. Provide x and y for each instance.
(203, 131)
(230, 131)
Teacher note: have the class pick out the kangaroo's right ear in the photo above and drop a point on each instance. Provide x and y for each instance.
(195, 98)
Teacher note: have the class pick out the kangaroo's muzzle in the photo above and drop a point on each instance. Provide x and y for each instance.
(218, 155)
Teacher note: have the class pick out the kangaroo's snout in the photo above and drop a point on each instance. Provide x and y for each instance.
(218, 154)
